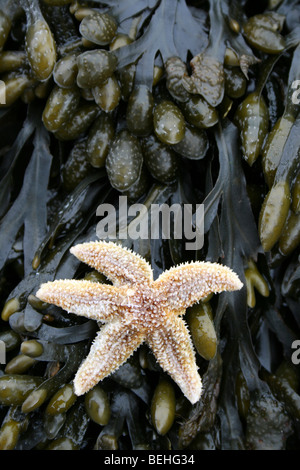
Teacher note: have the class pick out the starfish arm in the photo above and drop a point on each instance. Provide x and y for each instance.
(119, 264)
(186, 284)
(89, 299)
(172, 347)
(113, 345)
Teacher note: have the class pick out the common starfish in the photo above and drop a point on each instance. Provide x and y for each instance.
(136, 309)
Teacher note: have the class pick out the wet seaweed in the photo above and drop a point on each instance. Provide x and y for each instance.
(52, 182)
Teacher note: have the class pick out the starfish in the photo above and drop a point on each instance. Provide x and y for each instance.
(137, 309)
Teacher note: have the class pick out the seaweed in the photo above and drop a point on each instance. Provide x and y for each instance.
(179, 32)
(250, 396)
(29, 208)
